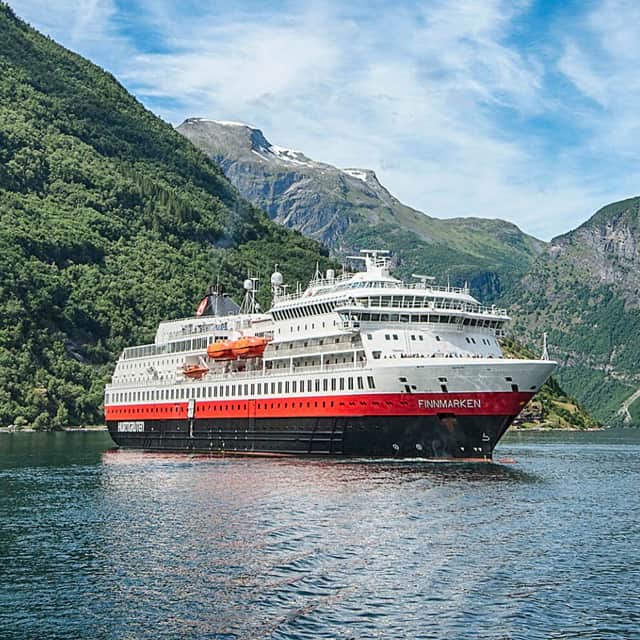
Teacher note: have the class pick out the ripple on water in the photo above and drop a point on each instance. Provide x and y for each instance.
(130, 545)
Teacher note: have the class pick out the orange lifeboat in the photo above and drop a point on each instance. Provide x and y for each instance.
(194, 370)
(221, 350)
(249, 347)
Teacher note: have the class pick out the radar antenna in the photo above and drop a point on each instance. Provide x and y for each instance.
(249, 304)
(423, 279)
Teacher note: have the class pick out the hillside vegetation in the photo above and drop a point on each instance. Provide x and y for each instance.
(109, 222)
(585, 291)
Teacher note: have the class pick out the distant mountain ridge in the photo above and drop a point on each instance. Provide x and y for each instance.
(348, 209)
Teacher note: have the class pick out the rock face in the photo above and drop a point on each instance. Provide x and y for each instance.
(348, 209)
(585, 290)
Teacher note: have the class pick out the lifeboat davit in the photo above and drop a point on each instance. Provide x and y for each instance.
(220, 351)
(249, 347)
(194, 370)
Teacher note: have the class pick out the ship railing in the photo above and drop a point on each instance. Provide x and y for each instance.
(426, 286)
(171, 380)
(434, 306)
(313, 350)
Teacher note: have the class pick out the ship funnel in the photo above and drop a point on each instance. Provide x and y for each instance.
(331, 274)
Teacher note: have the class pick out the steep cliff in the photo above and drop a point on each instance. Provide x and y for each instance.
(585, 291)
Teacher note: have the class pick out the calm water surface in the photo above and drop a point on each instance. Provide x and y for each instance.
(99, 543)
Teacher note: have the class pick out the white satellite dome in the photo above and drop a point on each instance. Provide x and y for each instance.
(276, 279)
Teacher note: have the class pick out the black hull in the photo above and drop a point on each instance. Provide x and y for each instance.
(435, 437)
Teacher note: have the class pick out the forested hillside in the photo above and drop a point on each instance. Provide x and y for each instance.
(109, 222)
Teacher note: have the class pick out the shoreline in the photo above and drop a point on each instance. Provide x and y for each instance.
(103, 428)
(93, 427)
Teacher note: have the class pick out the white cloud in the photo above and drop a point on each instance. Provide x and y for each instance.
(440, 99)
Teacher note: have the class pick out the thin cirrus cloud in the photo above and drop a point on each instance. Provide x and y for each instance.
(493, 108)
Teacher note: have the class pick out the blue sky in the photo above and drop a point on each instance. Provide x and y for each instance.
(522, 110)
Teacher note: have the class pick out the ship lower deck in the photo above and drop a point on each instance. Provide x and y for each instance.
(439, 436)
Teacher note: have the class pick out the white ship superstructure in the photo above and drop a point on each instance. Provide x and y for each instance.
(355, 364)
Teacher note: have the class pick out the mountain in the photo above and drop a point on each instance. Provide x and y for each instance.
(348, 209)
(584, 289)
(109, 222)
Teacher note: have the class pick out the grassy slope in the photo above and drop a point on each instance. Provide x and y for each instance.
(552, 407)
(109, 222)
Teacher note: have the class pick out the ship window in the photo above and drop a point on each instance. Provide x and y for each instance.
(294, 386)
(253, 389)
(286, 387)
(333, 384)
(437, 338)
(371, 382)
(395, 336)
(387, 336)
(309, 383)
(473, 340)
(273, 387)
(421, 337)
(317, 385)
(350, 383)
(413, 338)
(360, 383)
(341, 384)
(279, 387)
(233, 389)
(325, 385)
(215, 392)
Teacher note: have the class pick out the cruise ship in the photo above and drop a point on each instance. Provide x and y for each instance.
(357, 365)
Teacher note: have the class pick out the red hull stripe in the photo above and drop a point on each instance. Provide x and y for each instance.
(370, 404)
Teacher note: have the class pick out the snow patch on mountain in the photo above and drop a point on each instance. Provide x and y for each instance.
(289, 155)
(356, 173)
(229, 123)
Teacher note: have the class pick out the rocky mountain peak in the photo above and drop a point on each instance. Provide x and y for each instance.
(240, 141)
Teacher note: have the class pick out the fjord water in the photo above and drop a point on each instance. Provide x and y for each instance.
(100, 543)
